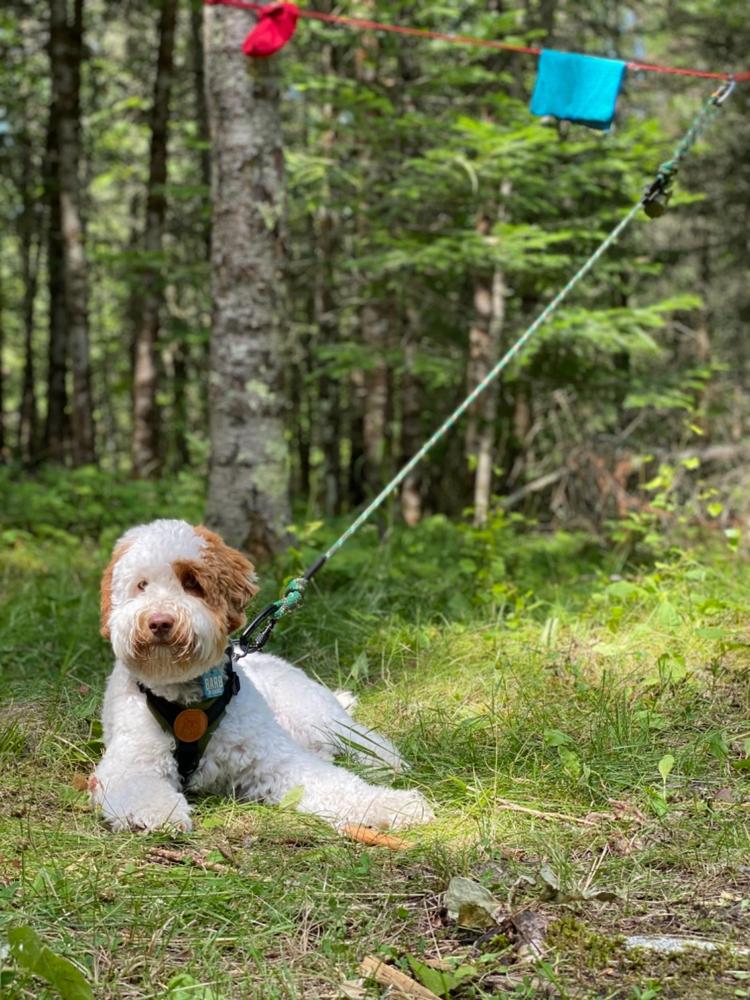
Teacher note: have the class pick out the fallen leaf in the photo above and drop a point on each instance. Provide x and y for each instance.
(550, 881)
(471, 904)
(373, 838)
(475, 917)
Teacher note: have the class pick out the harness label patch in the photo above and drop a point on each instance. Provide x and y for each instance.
(212, 682)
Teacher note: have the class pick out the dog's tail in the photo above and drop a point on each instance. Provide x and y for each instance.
(347, 699)
(370, 747)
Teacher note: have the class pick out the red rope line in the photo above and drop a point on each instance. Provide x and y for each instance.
(484, 43)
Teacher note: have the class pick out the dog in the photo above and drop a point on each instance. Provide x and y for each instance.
(171, 596)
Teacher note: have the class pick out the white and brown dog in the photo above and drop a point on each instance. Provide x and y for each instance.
(171, 596)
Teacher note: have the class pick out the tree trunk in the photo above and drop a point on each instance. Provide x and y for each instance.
(299, 401)
(375, 397)
(199, 98)
(180, 381)
(29, 238)
(146, 458)
(329, 391)
(66, 40)
(28, 422)
(248, 499)
(56, 421)
(3, 454)
(484, 344)
(200, 105)
(326, 237)
(356, 482)
(411, 497)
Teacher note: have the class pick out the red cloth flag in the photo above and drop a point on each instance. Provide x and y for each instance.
(276, 25)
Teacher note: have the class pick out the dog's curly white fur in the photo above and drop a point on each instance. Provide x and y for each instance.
(171, 596)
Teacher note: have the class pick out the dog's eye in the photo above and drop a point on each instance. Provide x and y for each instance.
(142, 584)
(191, 586)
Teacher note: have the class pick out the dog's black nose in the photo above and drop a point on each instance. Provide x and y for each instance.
(161, 625)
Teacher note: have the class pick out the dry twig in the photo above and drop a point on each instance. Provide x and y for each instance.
(515, 807)
(166, 856)
(402, 985)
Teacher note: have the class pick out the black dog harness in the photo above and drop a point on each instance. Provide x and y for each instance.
(192, 726)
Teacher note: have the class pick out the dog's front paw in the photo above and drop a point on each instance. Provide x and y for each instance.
(148, 804)
(392, 809)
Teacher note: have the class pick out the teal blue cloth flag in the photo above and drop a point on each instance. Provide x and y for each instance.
(579, 88)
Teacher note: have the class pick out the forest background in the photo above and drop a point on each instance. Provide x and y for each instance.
(428, 217)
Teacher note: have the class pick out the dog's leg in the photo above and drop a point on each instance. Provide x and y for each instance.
(276, 768)
(136, 784)
(136, 793)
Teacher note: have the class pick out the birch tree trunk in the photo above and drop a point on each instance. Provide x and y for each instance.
(248, 477)
(484, 343)
(66, 41)
(146, 457)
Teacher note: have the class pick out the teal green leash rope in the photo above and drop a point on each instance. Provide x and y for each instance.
(657, 194)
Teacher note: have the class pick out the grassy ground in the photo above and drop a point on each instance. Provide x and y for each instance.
(511, 668)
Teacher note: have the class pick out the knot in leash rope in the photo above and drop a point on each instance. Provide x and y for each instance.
(293, 596)
(658, 193)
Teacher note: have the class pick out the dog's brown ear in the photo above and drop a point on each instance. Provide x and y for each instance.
(229, 575)
(106, 589)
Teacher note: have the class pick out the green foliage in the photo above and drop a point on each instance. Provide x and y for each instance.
(31, 953)
(67, 505)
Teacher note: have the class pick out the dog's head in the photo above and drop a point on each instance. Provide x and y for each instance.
(171, 595)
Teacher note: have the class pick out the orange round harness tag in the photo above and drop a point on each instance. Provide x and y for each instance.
(190, 725)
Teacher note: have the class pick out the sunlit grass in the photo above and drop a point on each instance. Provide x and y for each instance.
(561, 693)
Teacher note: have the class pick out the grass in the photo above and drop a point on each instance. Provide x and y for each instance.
(509, 666)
